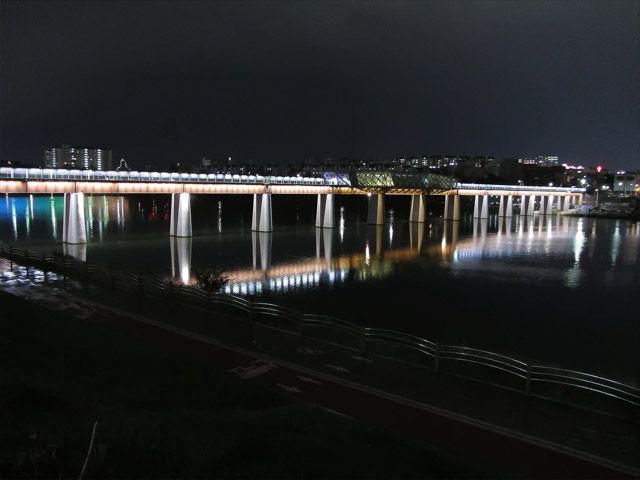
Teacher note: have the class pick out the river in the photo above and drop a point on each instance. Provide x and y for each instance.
(557, 290)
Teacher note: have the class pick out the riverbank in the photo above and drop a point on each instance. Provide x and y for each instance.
(162, 412)
(602, 214)
(457, 426)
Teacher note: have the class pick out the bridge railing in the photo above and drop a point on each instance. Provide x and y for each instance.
(49, 174)
(61, 174)
(568, 386)
(515, 188)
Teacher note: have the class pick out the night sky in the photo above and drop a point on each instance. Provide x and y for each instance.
(284, 82)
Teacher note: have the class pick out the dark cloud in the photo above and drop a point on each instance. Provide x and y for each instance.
(286, 81)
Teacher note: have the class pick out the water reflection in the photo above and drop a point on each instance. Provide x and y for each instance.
(54, 218)
(181, 258)
(261, 248)
(324, 243)
(416, 235)
(100, 209)
(75, 250)
(531, 249)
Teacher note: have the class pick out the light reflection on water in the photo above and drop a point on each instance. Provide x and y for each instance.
(561, 288)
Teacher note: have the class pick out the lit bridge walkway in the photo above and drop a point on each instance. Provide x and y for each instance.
(74, 184)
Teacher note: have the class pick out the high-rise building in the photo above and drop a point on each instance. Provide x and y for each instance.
(82, 158)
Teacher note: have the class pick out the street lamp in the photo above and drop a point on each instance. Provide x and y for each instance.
(596, 198)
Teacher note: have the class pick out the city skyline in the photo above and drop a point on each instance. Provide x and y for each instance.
(283, 82)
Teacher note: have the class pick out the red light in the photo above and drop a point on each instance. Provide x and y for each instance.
(598, 169)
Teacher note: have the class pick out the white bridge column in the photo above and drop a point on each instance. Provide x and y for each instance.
(527, 207)
(418, 208)
(531, 207)
(452, 208)
(261, 220)
(547, 203)
(74, 229)
(325, 216)
(509, 210)
(180, 215)
(562, 204)
(481, 206)
(376, 209)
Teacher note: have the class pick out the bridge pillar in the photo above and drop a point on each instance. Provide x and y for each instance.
(74, 229)
(562, 204)
(180, 215)
(418, 208)
(527, 207)
(481, 206)
(261, 220)
(452, 208)
(325, 215)
(509, 210)
(376, 209)
(548, 205)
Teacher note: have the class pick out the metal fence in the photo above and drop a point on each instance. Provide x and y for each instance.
(568, 386)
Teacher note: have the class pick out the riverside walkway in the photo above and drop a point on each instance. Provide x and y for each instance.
(494, 430)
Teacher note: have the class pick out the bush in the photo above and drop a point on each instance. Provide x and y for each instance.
(211, 279)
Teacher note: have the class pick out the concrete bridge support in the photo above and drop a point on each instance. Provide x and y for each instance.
(481, 206)
(563, 203)
(418, 208)
(180, 215)
(452, 207)
(262, 220)
(508, 210)
(527, 206)
(325, 212)
(546, 205)
(376, 209)
(74, 229)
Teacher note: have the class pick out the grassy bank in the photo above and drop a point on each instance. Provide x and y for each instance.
(162, 414)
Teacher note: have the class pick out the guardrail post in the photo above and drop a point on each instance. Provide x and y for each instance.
(528, 383)
(436, 358)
